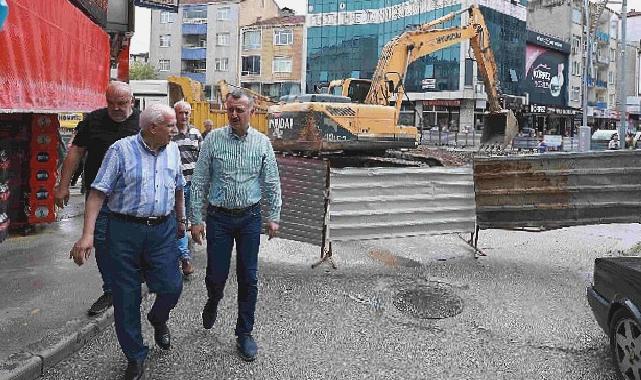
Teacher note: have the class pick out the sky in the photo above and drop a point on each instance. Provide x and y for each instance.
(140, 40)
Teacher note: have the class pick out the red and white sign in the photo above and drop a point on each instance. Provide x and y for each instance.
(54, 59)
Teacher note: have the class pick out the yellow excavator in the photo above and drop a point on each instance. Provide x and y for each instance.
(356, 114)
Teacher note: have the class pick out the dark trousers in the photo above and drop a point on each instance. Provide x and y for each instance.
(101, 247)
(222, 231)
(141, 251)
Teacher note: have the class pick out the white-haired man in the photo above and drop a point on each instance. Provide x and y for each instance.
(95, 134)
(142, 178)
(188, 140)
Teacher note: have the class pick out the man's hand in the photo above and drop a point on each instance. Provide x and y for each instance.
(62, 196)
(180, 230)
(82, 250)
(197, 233)
(272, 229)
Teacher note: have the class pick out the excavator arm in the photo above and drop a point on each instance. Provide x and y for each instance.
(398, 53)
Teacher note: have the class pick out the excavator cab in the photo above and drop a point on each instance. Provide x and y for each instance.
(354, 88)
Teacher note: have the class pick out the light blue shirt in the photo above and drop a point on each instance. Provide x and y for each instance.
(233, 169)
(139, 181)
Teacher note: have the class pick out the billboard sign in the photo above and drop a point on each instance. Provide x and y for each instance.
(546, 76)
(167, 5)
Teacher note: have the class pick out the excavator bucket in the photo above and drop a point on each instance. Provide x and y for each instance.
(500, 128)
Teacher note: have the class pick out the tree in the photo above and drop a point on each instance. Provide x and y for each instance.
(142, 71)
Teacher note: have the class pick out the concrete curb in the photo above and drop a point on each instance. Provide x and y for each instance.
(27, 365)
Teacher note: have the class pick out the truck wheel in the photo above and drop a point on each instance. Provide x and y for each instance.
(625, 345)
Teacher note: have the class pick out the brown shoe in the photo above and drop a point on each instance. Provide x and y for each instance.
(187, 267)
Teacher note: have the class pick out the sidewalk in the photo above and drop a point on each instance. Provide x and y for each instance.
(45, 297)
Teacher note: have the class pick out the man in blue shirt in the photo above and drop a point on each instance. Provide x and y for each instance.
(235, 163)
(142, 177)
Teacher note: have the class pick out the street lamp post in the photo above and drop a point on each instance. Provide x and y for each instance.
(621, 86)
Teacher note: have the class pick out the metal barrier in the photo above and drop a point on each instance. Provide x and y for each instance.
(384, 203)
(554, 190)
(456, 139)
(303, 187)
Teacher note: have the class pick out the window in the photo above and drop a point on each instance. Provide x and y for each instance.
(251, 39)
(222, 39)
(250, 65)
(282, 64)
(167, 17)
(612, 100)
(576, 44)
(576, 94)
(576, 68)
(284, 37)
(195, 15)
(613, 55)
(222, 64)
(165, 40)
(222, 14)
(610, 77)
(163, 65)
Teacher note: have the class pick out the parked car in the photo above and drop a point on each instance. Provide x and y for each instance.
(615, 299)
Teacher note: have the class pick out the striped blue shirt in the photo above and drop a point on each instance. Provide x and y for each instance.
(233, 169)
(139, 181)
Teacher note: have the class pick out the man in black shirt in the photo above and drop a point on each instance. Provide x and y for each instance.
(96, 133)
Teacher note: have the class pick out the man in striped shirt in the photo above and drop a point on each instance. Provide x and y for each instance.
(236, 162)
(188, 140)
(142, 177)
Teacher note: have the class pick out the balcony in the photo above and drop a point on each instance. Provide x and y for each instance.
(194, 29)
(602, 60)
(197, 76)
(602, 37)
(599, 84)
(195, 53)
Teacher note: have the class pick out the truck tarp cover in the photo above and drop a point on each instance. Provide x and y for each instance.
(54, 58)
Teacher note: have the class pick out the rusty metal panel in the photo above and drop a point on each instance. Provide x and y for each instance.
(303, 185)
(385, 203)
(549, 191)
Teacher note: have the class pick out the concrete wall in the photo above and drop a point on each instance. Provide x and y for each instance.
(551, 20)
(253, 10)
(172, 53)
(214, 27)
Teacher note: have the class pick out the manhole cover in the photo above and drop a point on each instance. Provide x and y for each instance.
(433, 301)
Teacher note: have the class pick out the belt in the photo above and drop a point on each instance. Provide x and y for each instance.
(231, 211)
(148, 220)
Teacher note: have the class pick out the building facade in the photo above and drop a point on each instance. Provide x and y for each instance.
(566, 21)
(201, 41)
(345, 38)
(272, 59)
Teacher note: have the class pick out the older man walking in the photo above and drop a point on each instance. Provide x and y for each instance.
(235, 163)
(142, 177)
(188, 140)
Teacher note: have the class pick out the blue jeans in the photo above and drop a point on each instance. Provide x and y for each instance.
(222, 231)
(183, 244)
(101, 247)
(138, 249)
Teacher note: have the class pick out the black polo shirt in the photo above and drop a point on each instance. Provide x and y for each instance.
(96, 133)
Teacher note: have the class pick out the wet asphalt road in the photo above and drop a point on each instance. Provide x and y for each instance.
(518, 313)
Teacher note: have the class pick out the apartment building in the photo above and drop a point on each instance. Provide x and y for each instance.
(201, 41)
(565, 21)
(272, 56)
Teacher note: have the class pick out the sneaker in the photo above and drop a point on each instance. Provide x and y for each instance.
(247, 348)
(187, 267)
(101, 305)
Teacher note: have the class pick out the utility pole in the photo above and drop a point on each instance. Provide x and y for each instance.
(621, 86)
(584, 131)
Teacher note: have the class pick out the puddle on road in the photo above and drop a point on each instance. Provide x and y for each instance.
(386, 257)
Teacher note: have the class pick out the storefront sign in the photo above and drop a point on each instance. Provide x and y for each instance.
(546, 73)
(547, 42)
(442, 102)
(428, 83)
(534, 108)
(167, 5)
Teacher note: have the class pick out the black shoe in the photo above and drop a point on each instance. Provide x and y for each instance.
(135, 370)
(162, 336)
(247, 348)
(209, 314)
(101, 305)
